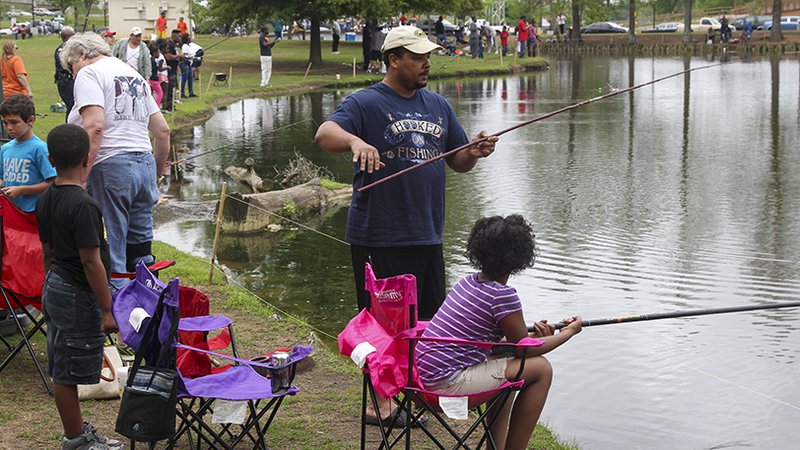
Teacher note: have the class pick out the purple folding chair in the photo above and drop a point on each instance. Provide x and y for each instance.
(238, 381)
(197, 397)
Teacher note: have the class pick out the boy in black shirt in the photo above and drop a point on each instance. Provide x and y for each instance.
(75, 299)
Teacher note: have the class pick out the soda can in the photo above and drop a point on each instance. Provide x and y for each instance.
(281, 377)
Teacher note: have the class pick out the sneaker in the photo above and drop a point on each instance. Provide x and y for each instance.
(177, 101)
(114, 444)
(192, 96)
(83, 442)
(166, 111)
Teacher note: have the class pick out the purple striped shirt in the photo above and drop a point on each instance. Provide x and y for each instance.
(472, 310)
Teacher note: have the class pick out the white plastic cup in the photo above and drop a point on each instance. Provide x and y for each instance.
(122, 378)
(338, 76)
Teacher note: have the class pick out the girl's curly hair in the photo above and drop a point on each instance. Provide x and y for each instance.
(500, 246)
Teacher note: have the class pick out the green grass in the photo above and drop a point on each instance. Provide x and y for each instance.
(331, 184)
(238, 56)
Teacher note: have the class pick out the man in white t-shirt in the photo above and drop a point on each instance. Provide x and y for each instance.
(134, 53)
(113, 103)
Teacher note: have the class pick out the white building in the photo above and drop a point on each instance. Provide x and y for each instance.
(126, 14)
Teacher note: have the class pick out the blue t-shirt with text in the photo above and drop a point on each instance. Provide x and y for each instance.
(25, 163)
(408, 210)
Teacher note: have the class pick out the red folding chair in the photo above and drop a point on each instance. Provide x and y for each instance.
(382, 338)
(21, 277)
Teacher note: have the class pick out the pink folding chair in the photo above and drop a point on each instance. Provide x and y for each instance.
(381, 340)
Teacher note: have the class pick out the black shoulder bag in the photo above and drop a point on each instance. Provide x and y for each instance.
(147, 410)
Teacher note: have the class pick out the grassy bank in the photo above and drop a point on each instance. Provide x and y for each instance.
(324, 415)
(238, 56)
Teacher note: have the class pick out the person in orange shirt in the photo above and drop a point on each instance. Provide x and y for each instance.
(161, 25)
(182, 26)
(15, 76)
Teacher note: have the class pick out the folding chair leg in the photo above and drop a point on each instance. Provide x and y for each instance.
(5, 342)
(364, 413)
(26, 340)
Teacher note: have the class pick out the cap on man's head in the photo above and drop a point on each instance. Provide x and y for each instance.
(411, 38)
(136, 31)
(107, 33)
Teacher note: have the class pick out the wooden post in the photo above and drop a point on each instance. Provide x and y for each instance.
(230, 77)
(501, 58)
(210, 79)
(307, 69)
(219, 224)
(354, 67)
(200, 82)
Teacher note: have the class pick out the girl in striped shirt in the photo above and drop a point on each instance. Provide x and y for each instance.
(481, 307)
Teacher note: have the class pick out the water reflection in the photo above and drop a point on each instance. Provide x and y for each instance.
(682, 195)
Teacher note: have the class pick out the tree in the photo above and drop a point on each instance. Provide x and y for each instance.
(776, 34)
(687, 21)
(576, 20)
(319, 11)
(632, 22)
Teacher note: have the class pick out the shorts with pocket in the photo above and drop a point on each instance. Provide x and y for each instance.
(481, 377)
(74, 340)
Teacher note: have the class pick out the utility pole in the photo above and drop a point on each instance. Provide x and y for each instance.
(496, 11)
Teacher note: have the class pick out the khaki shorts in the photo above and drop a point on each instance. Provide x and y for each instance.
(485, 376)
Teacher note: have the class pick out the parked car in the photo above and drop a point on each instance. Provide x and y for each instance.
(757, 21)
(666, 27)
(791, 23)
(18, 13)
(603, 27)
(58, 18)
(706, 23)
(428, 26)
(43, 12)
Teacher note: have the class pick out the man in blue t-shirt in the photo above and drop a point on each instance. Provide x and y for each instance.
(388, 127)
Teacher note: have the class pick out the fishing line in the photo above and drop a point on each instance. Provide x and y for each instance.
(306, 227)
(285, 313)
(743, 387)
(245, 141)
(528, 122)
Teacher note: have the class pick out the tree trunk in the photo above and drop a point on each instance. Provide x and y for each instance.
(687, 21)
(632, 22)
(576, 20)
(315, 50)
(776, 34)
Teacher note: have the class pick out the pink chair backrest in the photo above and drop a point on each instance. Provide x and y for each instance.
(392, 300)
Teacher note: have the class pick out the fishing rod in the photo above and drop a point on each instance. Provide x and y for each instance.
(172, 163)
(528, 122)
(215, 44)
(676, 314)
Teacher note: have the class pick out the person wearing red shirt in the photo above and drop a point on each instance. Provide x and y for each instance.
(184, 29)
(522, 37)
(403, 19)
(161, 25)
(504, 40)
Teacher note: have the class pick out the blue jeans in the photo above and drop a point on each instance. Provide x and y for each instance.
(125, 187)
(186, 76)
(74, 340)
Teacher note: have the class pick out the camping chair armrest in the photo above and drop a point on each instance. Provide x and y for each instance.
(524, 343)
(204, 323)
(507, 349)
(155, 267)
(299, 353)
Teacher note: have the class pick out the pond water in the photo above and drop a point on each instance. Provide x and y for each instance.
(682, 195)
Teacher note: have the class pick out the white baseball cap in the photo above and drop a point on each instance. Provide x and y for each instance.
(135, 31)
(411, 38)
